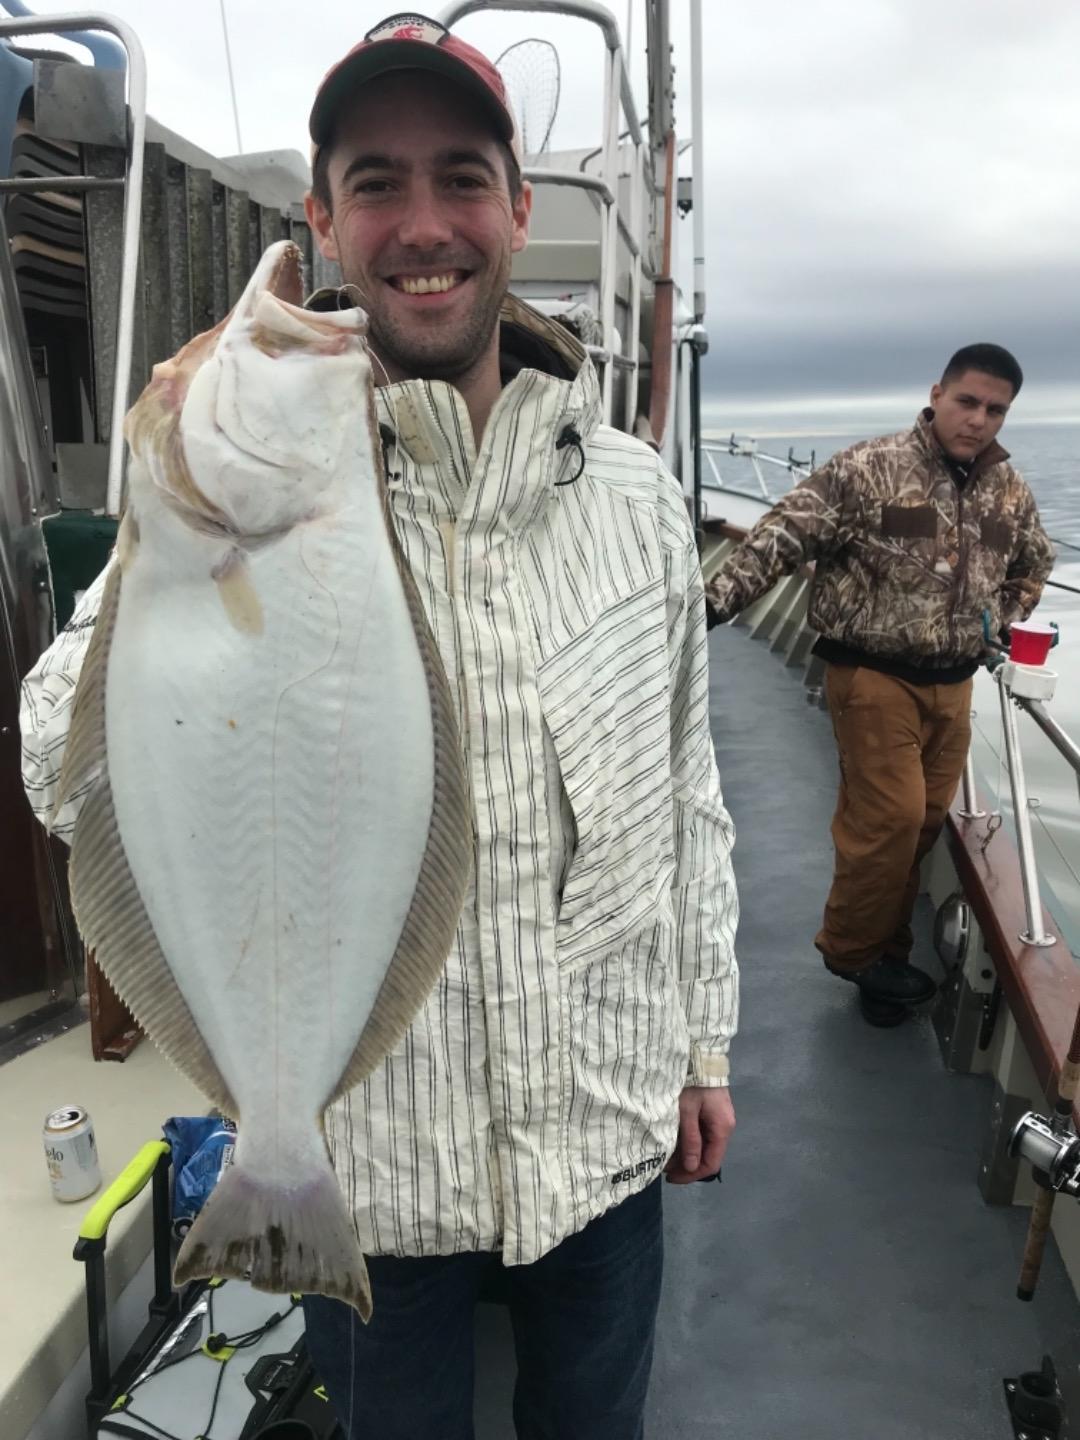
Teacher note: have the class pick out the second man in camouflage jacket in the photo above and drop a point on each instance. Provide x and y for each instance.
(914, 536)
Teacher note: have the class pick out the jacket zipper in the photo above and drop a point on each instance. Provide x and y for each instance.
(448, 533)
(961, 564)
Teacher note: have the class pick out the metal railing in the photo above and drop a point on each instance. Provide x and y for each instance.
(129, 250)
(970, 798)
(1035, 934)
(1005, 676)
(617, 97)
(748, 450)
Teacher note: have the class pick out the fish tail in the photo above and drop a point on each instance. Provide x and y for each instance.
(295, 1241)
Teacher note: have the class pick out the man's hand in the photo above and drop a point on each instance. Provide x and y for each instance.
(706, 1120)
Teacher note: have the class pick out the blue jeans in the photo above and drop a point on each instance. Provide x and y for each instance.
(583, 1318)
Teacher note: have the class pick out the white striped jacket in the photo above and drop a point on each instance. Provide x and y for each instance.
(593, 974)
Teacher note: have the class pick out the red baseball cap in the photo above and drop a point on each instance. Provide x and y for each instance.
(413, 42)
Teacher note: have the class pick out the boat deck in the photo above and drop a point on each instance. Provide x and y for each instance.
(846, 1278)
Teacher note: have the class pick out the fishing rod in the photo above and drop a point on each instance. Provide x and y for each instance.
(1053, 1148)
(1060, 585)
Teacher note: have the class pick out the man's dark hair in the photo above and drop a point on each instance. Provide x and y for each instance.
(320, 175)
(990, 359)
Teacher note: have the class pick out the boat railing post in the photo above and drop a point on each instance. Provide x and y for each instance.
(610, 243)
(637, 211)
(129, 245)
(697, 109)
(970, 796)
(1035, 934)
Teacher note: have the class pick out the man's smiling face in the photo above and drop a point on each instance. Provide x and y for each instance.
(423, 223)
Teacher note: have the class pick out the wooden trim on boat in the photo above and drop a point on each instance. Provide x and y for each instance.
(114, 1031)
(1040, 985)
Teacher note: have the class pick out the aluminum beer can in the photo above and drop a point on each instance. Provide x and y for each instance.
(71, 1153)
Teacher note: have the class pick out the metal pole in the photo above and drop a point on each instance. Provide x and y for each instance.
(637, 206)
(73, 184)
(760, 478)
(129, 258)
(971, 799)
(610, 247)
(1035, 934)
(695, 438)
(232, 81)
(1063, 743)
(582, 10)
(698, 123)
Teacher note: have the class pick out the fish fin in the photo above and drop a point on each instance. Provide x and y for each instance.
(84, 748)
(298, 1241)
(111, 916)
(127, 539)
(238, 593)
(435, 909)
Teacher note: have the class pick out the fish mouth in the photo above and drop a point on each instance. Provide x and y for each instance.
(286, 281)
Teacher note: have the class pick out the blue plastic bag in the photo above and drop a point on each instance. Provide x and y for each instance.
(201, 1148)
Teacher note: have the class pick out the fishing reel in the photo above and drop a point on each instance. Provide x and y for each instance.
(1054, 1154)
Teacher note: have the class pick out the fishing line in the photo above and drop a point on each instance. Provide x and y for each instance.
(995, 813)
(389, 385)
(344, 290)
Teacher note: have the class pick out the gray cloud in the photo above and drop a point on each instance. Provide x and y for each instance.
(885, 179)
(888, 181)
(819, 330)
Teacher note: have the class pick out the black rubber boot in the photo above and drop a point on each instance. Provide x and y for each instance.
(891, 981)
(883, 1014)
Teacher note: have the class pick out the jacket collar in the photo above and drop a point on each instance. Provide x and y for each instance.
(994, 453)
(541, 363)
(549, 383)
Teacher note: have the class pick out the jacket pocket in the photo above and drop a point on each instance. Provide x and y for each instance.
(909, 522)
(605, 700)
(997, 535)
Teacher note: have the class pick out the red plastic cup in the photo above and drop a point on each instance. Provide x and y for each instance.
(1030, 642)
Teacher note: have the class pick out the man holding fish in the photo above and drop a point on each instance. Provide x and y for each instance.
(534, 607)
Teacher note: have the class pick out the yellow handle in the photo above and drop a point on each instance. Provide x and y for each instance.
(124, 1188)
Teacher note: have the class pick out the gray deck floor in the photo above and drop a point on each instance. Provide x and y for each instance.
(846, 1281)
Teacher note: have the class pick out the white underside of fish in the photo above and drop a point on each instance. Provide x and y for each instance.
(262, 783)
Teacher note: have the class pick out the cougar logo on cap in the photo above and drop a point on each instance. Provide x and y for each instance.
(408, 27)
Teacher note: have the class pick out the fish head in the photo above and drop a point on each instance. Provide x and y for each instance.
(247, 427)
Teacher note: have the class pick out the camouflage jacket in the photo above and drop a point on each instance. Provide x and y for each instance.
(907, 560)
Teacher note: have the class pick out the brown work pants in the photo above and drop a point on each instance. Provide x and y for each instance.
(902, 750)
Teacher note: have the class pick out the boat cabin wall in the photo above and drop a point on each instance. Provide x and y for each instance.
(205, 224)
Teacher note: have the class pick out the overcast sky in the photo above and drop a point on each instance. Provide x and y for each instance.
(885, 179)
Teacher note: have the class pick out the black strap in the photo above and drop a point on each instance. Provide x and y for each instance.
(570, 436)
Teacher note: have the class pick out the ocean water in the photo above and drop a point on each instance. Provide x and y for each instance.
(1048, 456)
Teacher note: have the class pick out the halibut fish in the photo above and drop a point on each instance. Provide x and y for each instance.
(272, 855)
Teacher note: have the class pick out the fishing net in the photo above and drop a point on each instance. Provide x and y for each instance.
(531, 74)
